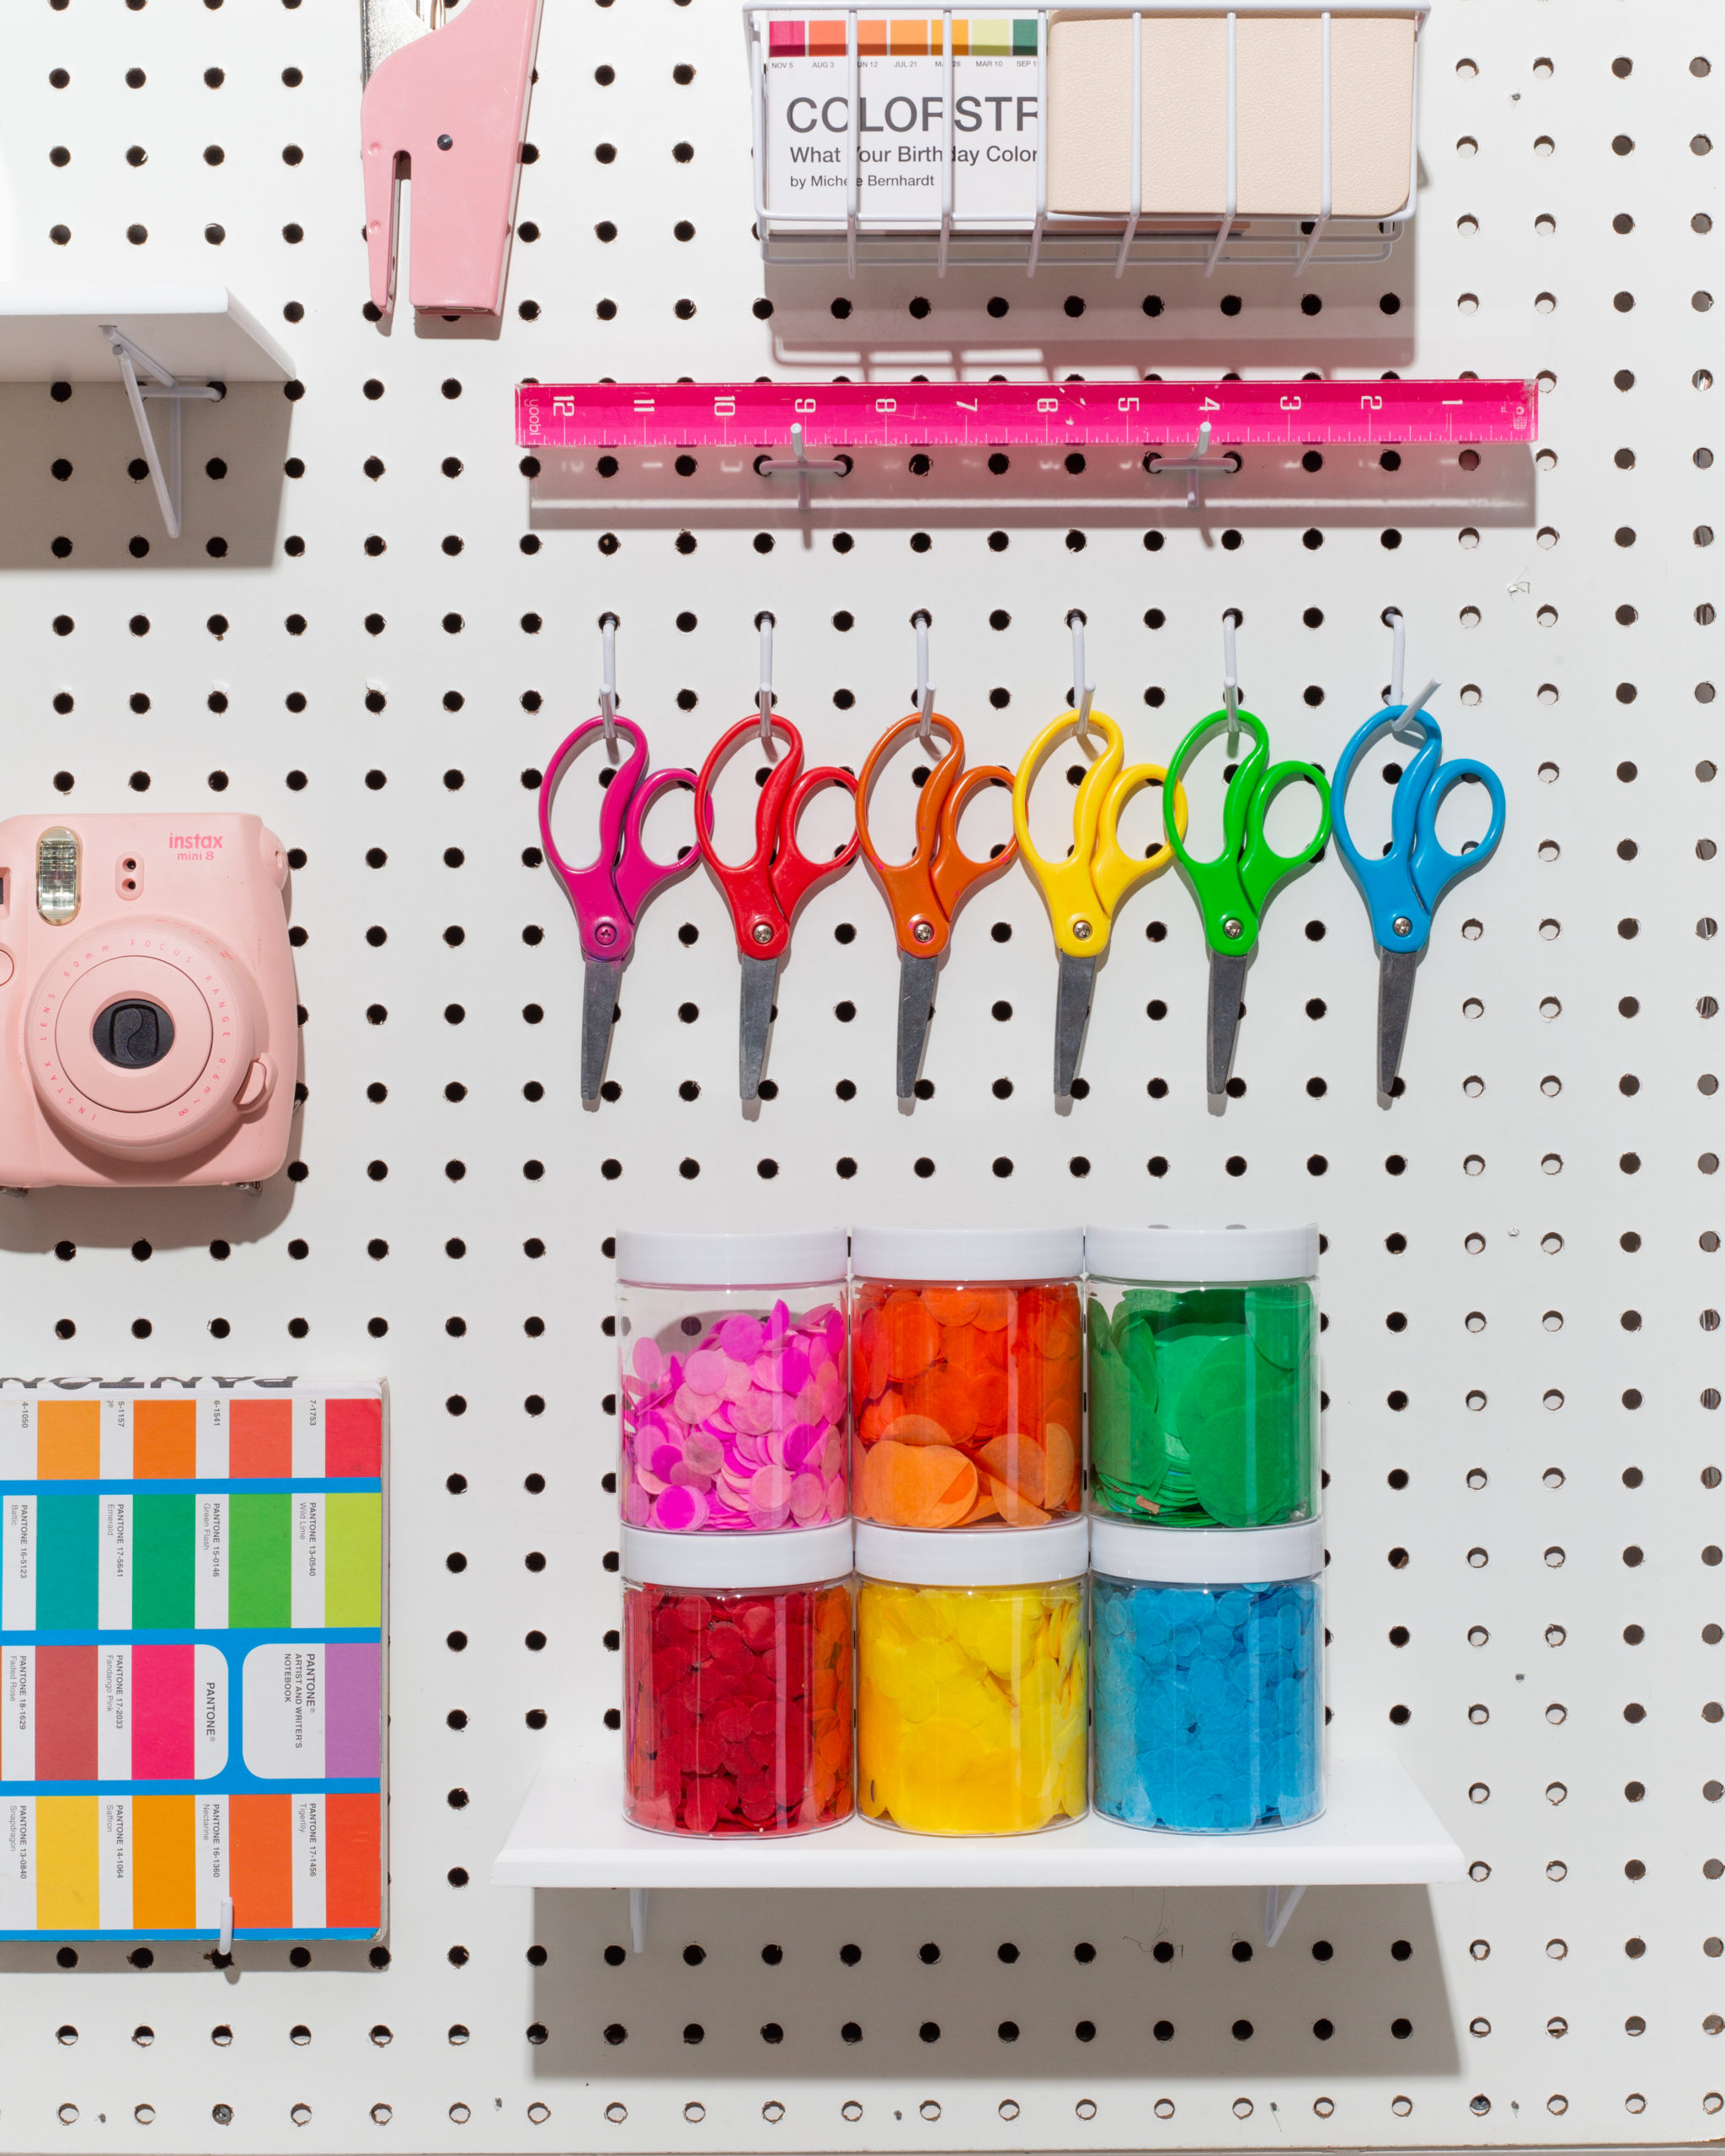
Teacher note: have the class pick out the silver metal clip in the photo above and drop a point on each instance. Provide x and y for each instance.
(922, 621)
(386, 25)
(763, 695)
(608, 685)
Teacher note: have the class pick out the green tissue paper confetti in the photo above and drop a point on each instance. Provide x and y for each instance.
(1203, 1405)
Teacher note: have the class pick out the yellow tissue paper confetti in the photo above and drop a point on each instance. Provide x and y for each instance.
(971, 1706)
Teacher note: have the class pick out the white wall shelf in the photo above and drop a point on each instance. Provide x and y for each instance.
(1377, 1830)
(184, 339)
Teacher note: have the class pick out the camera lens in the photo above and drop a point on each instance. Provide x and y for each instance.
(134, 1034)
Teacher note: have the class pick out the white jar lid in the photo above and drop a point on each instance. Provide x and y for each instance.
(974, 1556)
(1206, 1556)
(794, 1557)
(795, 1258)
(1288, 1253)
(971, 1254)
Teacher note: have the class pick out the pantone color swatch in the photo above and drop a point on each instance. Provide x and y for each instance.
(192, 1660)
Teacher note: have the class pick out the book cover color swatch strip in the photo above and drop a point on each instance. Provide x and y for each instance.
(894, 146)
(300, 1864)
(192, 1663)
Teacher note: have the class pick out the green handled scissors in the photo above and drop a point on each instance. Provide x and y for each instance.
(1233, 890)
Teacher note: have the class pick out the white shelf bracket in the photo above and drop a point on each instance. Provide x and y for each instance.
(1279, 1903)
(637, 1918)
(165, 388)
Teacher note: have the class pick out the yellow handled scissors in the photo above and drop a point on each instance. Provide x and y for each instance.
(1084, 891)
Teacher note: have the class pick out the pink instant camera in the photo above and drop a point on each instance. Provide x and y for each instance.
(147, 996)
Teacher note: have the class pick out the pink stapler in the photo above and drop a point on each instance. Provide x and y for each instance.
(446, 105)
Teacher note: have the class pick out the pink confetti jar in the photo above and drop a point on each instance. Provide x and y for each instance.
(733, 1381)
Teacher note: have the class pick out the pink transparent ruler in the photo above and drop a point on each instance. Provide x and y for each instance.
(559, 415)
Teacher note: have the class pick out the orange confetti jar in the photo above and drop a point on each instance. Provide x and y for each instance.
(966, 1376)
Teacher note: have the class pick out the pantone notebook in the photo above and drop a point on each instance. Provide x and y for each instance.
(192, 1660)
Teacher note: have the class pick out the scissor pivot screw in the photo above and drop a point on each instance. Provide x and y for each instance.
(1404, 925)
(446, 141)
(605, 933)
(1230, 926)
(924, 932)
(1080, 929)
(762, 932)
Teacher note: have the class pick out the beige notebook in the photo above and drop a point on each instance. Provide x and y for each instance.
(1279, 62)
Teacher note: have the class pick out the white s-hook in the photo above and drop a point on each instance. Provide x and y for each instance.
(1083, 688)
(1231, 679)
(608, 681)
(1398, 652)
(763, 695)
(922, 621)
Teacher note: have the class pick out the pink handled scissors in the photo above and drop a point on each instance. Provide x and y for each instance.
(609, 892)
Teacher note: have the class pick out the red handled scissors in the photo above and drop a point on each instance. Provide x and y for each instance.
(927, 891)
(608, 894)
(764, 892)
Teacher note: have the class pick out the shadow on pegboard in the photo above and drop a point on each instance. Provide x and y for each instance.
(61, 1221)
(78, 491)
(190, 1957)
(1124, 1997)
(981, 319)
(1106, 486)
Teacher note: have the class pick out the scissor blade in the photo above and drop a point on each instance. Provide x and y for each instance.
(386, 25)
(1227, 986)
(600, 980)
(760, 984)
(1071, 1016)
(916, 978)
(1396, 974)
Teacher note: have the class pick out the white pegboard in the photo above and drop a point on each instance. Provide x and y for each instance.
(412, 740)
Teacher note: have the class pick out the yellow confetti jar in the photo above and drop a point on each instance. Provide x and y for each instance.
(971, 1678)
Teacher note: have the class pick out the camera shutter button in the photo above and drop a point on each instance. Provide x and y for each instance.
(257, 1083)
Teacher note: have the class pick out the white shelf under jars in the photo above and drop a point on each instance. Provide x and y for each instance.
(1377, 1830)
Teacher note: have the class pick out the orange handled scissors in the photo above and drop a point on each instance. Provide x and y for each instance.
(927, 891)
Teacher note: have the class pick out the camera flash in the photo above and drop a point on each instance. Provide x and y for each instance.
(57, 876)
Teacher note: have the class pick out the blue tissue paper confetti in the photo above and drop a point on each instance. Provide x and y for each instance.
(1207, 1705)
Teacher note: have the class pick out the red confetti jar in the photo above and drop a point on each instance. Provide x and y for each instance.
(737, 1681)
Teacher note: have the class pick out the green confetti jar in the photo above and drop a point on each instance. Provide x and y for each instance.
(1203, 1375)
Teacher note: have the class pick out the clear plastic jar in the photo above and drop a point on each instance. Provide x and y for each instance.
(966, 1375)
(737, 1682)
(1209, 1703)
(732, 1390)
(1204, 1374)
(970, 1677)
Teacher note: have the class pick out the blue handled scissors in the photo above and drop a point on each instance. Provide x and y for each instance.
(609, 892)
(1403, 888)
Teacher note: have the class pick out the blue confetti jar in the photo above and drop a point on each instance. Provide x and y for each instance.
(1207, 1669)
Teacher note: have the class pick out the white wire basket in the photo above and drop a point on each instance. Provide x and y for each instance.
(943, 229)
